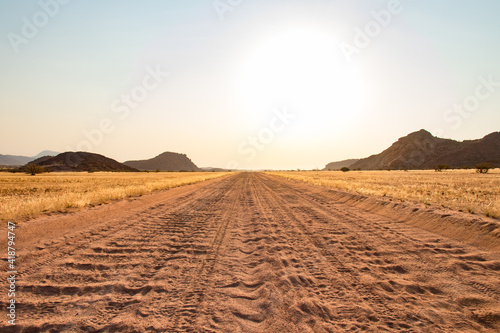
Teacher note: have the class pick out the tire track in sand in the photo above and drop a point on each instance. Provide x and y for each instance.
(299, 262)
(130, 277)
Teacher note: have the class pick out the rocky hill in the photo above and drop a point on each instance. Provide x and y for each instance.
(422, 150)
(165, 162)
(80, 161)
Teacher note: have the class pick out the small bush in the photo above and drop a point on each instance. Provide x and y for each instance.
(441, 167)
(344, 169)
(33, 169)
(483, 167)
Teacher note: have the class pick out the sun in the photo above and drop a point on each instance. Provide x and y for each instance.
(302, 69)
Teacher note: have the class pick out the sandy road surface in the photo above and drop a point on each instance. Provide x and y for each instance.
(255, 253)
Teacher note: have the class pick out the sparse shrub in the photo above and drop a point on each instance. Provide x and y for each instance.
(483, 167)
(344, 169)
(33, 169)
(78, 189)
(456, 189)
(441, 167)
(489, 213)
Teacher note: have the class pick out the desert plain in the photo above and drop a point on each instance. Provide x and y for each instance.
(257, 252)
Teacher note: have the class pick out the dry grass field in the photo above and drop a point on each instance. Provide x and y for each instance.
(23, 195)
(463, 190)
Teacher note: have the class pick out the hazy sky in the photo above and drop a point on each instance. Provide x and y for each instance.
(249, 84)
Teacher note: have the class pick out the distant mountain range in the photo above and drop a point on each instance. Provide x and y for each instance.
(417, 150)
(83, 161)
(422, 150)
(167, 161)
(212, 169)
(21, 160)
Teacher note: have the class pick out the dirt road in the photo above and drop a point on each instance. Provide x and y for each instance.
(256, 253)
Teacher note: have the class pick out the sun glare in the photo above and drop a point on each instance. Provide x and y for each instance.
(302, 69)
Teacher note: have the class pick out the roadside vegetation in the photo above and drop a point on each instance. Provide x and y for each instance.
(25, 195)
(465, 190)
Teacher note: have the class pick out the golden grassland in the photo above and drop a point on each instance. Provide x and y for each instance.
(463, 190)
(22, 195)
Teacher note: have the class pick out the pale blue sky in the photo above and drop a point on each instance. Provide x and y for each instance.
(229, 73)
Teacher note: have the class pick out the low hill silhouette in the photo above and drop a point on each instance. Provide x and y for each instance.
(340, 164)
(166, 161)
(80, 161)
(422, 150)
(21, 160)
